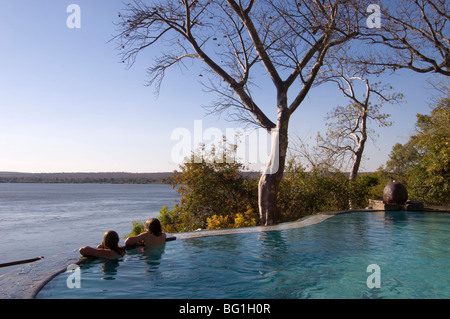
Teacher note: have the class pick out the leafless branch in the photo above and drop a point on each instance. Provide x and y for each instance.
(414, 34)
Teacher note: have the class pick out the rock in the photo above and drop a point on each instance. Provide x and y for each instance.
(395, 193)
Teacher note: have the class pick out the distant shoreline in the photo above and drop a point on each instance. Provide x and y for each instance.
(87, 178)
(93, 178)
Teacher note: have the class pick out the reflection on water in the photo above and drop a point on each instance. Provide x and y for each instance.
(150, 256)
(390, 217)
(109, 270)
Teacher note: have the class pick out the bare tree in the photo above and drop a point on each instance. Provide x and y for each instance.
(348, 127)
(290, 39)
(414, 34)
(311, 156)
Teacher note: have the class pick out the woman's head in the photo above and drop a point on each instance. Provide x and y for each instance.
(111, 241)
(154, 226)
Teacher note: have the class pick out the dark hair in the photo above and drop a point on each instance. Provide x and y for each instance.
(154, 226)
(111, 241)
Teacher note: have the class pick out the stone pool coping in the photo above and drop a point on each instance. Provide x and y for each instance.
(26, 282)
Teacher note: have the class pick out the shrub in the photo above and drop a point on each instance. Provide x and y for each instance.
(422, 164)
(137, 228)
(217, 222)
(246, 219)
(303, 193)
(212, 193)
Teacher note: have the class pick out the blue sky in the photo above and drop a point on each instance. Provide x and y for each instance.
(67, 104)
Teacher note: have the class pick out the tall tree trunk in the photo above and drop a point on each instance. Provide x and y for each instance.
(357, 162)
(271, 178)
(361, 142)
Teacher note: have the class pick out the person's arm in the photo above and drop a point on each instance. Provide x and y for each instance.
(88, 251)
(134, 240)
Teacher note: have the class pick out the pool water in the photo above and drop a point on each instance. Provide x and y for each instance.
(326, 260)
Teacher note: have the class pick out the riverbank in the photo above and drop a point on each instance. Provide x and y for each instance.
(92, 178)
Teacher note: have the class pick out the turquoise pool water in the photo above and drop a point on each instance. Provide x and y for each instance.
(326, 260)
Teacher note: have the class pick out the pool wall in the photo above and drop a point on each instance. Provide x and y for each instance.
(25, 282)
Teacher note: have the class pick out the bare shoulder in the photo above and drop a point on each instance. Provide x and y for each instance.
(152, 240)
(88, 251)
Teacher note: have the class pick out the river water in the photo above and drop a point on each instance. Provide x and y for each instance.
(47, 219)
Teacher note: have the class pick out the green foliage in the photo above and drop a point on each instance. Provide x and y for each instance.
(403, 160)
(303, 193)
(218, 221)
(209, 187)
(137, 228)
(423, 163)
(215, 195)
(168, 219)
(372, 185)
(245, 219)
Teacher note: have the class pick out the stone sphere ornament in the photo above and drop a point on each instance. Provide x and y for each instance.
(395, 193)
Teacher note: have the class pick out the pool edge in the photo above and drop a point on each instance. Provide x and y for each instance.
(25, 282)
(303, 222)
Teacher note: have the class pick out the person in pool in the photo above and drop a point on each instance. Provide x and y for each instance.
(153, 235)
(109, 248)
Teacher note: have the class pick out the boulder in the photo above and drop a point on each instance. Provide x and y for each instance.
(395, 193)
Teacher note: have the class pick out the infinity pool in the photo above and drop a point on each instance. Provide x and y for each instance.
(326, 260)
